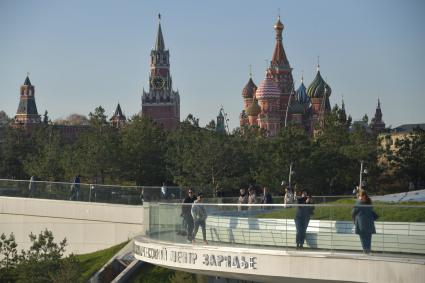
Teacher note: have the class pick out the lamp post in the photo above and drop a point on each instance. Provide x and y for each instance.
(362, 171)
(290, 175)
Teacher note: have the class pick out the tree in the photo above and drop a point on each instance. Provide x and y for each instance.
(43, 261)
(97, 150)
(45, 118)
(409, 157)
(8, 258)
(143, 152)
(45, 162)
(16, 146)
(4, 119)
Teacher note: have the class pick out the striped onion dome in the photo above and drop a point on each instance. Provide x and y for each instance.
(301, 94)
(254, 109)
(318, 87)
(268, 88)
(249, 89)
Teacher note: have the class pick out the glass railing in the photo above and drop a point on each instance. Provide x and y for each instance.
(134, 195)
(116, 193)
(318, 227)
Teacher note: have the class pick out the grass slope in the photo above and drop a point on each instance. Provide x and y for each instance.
(92, 262)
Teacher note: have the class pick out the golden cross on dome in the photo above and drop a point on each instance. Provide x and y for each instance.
(250, 70)
(318, 63)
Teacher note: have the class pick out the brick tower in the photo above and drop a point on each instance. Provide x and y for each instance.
(161, 103)
(27, 114)
(377, 124)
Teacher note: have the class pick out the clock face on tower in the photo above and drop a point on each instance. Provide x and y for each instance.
(158, 82)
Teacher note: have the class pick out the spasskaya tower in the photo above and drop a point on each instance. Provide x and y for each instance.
(161, 103)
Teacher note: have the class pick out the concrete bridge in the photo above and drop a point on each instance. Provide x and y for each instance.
(242, 244)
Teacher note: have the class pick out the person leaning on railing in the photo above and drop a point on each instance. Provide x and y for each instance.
(364, 220)
(302, 218)
(267, 197)
(252, 197)
(243, 199)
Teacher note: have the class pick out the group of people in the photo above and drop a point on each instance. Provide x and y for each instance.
(251, 197)
(194, 216)
(74, 191)
(362, 213)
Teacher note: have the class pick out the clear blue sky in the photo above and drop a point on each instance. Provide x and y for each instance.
(81, 54)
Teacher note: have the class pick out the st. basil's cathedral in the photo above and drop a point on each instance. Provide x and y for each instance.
(275, 102)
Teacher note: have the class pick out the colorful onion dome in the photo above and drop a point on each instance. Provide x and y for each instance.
(249, 89)
(296, 107)
(301, 94)
(318, 87)
(268, 89)
(254, 109)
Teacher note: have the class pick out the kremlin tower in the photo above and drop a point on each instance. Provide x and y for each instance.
(376, 124)
(118, 120)
(161, 103)
(27, 114)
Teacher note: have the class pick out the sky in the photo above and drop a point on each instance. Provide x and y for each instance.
(82, 54)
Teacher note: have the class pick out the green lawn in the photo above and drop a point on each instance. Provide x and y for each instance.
(342, 211)
(92, 262)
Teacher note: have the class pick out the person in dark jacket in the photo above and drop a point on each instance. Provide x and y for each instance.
(199, 215)
(187, 215)
(302, 218)
(267, 197)
(364, 220)
(75, 189)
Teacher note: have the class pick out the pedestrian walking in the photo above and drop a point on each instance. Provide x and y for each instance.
(164, 191)
(364, 220)
(32, 187)
(199, 215)
(75, 189)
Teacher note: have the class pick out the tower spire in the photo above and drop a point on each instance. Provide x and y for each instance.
(279, 57)
(318, 63)
(159, 44)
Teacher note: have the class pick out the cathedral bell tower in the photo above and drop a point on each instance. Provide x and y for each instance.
(161, 103)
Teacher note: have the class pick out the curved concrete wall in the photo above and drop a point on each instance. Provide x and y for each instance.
(277, 266)
(87, 226)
